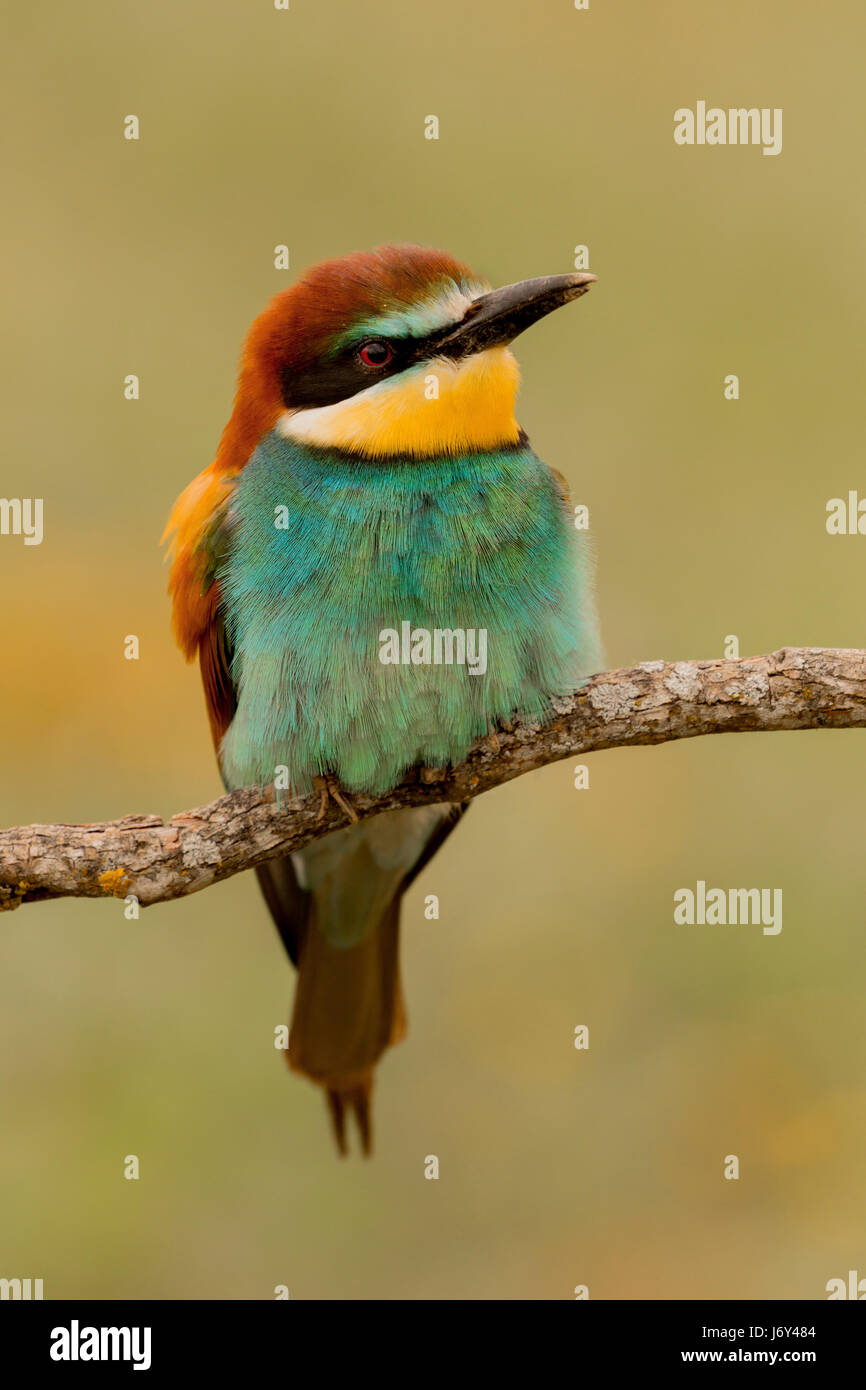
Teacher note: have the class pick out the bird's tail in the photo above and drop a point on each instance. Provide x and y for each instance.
(348, 1002)
(348, 1009)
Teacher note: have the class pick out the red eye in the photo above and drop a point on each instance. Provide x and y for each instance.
(376, 353)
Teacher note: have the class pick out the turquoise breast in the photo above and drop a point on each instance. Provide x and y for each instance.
(334, 570)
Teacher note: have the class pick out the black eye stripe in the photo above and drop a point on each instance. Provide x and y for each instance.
(346, 374)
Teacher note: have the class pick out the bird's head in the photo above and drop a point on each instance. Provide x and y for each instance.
(401, 350)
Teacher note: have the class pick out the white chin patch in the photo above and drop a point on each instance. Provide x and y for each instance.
(323, 424)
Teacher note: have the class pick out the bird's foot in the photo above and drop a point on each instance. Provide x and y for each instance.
(328, 787)
(492, 734)
(430, 775)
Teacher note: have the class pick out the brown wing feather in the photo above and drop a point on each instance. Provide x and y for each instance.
(215, 664)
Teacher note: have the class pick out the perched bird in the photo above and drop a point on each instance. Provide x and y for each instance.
(372, 483)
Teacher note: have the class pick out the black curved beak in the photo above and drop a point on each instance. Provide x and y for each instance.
(498, 317)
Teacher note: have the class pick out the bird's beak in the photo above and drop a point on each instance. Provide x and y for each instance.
(498, 317)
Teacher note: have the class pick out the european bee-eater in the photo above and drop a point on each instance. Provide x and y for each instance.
(373, 480)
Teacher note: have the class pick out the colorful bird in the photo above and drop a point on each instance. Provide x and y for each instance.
(373, 517)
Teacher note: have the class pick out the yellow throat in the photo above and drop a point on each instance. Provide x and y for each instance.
(440, 407)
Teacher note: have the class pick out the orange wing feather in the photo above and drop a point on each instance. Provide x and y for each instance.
(196, 613)
(200, 511)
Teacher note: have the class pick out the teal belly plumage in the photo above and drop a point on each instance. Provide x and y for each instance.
(324, 553)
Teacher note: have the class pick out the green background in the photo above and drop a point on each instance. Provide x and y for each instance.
(155, 1037)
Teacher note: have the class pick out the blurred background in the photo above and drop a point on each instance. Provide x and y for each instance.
(155, 1037)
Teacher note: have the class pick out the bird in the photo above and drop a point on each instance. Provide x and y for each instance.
(372, 481)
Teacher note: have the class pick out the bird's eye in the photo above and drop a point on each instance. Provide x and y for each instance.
(376, 353)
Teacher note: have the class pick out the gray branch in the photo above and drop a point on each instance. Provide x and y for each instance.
(655, 702)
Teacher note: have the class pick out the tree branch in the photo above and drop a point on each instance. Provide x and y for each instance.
(156, 861)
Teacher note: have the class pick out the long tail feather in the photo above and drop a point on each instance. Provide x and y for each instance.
(348, 1009)
(357, 1100)
(348, 1005)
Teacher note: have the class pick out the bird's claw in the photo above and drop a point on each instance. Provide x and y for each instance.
(430, 775)
(328, 787)
(492, 735)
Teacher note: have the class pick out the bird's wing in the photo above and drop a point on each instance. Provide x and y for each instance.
(196, 528)
(561, 486)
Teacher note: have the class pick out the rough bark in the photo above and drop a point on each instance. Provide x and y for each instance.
(655, 702)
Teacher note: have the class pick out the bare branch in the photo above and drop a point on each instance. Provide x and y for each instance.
(795, 688)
